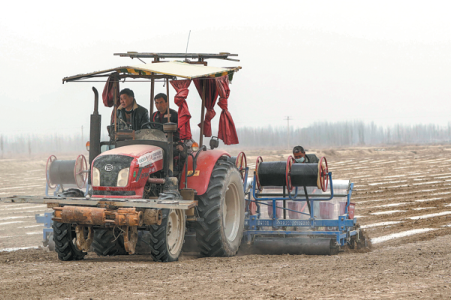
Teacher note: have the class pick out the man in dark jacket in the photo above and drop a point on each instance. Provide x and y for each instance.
(130, 115)
(161, 115)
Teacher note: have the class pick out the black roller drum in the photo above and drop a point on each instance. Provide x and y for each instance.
(273, 174)
(304, 175)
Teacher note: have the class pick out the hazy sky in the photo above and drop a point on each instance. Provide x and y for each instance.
(382, 61)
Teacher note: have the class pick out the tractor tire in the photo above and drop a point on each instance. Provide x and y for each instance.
(221, 210)
(142, 246)
(166, 240)
(108, 242)
(64, 236)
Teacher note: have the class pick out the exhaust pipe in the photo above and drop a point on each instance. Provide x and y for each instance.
(95, 126)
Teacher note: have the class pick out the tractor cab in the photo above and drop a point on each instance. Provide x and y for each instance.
(212, 84)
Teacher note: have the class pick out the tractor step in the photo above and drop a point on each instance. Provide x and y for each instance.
(103, 202)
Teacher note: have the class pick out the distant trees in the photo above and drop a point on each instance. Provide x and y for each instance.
(344, 134)
(34, 144)
(319, 134)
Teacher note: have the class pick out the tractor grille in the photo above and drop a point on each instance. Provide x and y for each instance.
(109, 167)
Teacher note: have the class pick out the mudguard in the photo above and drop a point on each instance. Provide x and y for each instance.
(204, 167)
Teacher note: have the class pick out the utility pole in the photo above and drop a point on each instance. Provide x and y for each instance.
(29, 146)
(288, 118)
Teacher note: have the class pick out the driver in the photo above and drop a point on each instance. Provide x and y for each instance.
(161, 115)
(129, 113)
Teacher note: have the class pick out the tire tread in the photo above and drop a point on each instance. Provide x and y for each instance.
(208, 231)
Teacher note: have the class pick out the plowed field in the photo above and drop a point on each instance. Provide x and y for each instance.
(403, 200)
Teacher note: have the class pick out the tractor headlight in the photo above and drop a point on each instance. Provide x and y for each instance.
(122, 177)
(95, 177)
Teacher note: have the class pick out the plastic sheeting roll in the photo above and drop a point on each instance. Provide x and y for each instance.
(274, 173)
(62, 172)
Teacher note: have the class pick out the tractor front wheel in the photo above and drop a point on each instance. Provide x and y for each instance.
(64, 237)
(108, 242)
(166, 240)
(221, 210)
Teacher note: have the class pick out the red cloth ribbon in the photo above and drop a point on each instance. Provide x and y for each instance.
(181, 87)
(211, 94)
(108, 91)
(227, 130)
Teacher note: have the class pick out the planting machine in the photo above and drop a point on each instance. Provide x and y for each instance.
(141, 187)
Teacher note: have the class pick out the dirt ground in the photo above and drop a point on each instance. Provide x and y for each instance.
(403, 200)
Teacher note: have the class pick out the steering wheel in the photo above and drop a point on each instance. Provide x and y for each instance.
(152, 125)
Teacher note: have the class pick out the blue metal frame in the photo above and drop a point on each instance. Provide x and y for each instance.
(46, 218)
(253, 224)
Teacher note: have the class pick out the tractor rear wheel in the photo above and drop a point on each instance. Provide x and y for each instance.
(166, 240)
(64, 237)
(108, 242)
(221, 210)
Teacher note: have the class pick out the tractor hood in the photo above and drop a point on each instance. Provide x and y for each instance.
(146, 154)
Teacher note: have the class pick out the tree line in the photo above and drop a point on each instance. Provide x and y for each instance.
(319, 134)
(327, 134)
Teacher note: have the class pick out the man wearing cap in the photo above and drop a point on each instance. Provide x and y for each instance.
(301, 157)
(130, 115)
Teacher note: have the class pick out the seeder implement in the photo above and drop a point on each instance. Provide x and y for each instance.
(307, 211)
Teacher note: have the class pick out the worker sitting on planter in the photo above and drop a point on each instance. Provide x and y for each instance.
(300, 156)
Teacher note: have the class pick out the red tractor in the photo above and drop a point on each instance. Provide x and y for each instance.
(139, 189)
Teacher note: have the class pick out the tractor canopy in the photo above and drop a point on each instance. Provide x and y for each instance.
(172, 69)
(210, 82)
